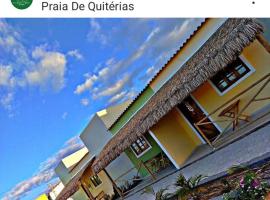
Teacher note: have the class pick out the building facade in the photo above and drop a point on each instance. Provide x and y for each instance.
(215, 85)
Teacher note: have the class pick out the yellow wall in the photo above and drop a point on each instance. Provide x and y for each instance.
(106, 185)
(63, 168)
(79, 195)
(74, 158)
(259, 59)
(42, 197)
(176, 136)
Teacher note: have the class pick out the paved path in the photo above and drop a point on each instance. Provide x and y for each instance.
(241, 151)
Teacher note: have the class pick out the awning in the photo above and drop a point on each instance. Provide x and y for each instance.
(221, 48)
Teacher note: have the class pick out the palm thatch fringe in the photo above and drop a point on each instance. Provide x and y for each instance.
(222, 48)
(71, 188)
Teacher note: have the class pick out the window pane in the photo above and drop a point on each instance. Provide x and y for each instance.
(139, 146)
(230, 75)
(241, 69)
(222, 84)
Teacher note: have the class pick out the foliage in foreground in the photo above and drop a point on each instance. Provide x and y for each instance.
(161, 194)
(250, 187)
(187, 186)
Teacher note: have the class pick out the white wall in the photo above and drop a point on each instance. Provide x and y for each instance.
(63, 173)
(56, 191)
(95, 135)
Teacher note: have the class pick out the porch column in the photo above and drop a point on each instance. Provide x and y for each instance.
(114, 185)
(87, 192)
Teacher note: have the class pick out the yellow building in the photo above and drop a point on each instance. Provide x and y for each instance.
(79, 181)
(214, 89)
(75, 170)
(42, 197)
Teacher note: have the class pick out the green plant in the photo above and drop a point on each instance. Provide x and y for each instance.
(161, 194)
(187, 186)
(236, 168)
(250, 187)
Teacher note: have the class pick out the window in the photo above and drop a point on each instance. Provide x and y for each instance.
(140, 146)
(95, 180)
(230, 75)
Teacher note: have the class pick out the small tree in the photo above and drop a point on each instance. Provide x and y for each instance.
(159, 195)
(187, 186)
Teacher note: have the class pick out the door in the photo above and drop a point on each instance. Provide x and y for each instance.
(194, 114)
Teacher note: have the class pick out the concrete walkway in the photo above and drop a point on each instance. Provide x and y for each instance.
(242, 151)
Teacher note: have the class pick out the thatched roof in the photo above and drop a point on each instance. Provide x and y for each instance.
(74, 184)
(221, 48)
(159, 71)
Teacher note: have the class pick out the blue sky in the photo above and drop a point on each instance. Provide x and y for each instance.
(55, 73)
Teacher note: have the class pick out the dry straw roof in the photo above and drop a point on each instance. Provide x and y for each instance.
(221, 48)
(158, 73)
(74, 184)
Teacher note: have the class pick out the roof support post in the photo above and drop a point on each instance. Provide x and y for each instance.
(114, 185)
(85, 189)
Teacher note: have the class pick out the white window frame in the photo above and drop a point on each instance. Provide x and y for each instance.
(252, 70)
(191, 126)
(146, 150)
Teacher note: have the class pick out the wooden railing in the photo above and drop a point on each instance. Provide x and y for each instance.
(231, 111)
(152, 167)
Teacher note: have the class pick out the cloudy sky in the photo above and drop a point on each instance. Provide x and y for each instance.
(55, 73)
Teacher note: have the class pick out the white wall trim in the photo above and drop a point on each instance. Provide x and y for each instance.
(190, 125)
(146, 150)
(164, 150)
(252, 70)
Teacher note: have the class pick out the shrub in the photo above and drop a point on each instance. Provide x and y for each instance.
(187, 186)
(161, 194)
(250, 187)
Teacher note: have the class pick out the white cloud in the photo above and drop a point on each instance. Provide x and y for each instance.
(152, 45)
(122, 96)
(46, 171)
(95, 33)
(87, 85)
(6, 101)
(85, 102)
(76, 54)
(113, 89)
(131, 95)
(23, 67)
(6, 78)
(117, 97)
(64, 115)
(10, 42)
(50, 69)
(150, 70)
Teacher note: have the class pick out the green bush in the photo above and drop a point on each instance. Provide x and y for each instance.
(250, 187)
(186, 186)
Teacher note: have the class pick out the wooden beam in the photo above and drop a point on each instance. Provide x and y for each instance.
(264, 42)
